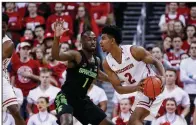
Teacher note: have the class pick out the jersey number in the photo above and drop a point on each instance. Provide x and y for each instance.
(85, 82)
(131, 81)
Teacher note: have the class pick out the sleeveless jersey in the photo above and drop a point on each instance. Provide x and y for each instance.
(5, 63)
(130, 70)
(80, 77)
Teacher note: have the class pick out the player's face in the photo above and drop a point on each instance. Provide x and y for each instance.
(89, 42)
(42, 104)
(106, 43)
(4, 28)
(45, 78)
(177, 43)
(125, 105)
(170, 107)
(193, 50)
(156, 52)
(170, 77)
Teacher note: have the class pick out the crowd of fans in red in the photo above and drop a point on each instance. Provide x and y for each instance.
(31, 28)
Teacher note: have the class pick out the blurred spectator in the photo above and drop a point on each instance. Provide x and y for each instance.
(184, 56)
(33, 18)
(45, 89)
(183, 9)
(21, 8)
(15, 21)
(192, 18)
(171, 15)
(174, 55)
(179, 29)
(188, 76)
(158, 54)
(190, 31)
(125, 112)
(84, 22)
(173, 91)
(39, 56)
(116, 100)
(167, 44)
(39, 34)
(170, 118)
(44, 10)
(56, 67)
(98, 96)
(194, 115)
(28, 34)
(68, 22)
(43, 117)
(7, 119)
(24, 71)
(71, 9)
(48, 40)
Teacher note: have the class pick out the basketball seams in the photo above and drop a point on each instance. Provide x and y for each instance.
(152, 82)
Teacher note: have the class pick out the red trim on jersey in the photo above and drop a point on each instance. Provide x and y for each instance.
(10, 102)
(9, 99)
(143, 104)
(148, 70)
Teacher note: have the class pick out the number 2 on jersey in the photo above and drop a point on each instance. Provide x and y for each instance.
(131, 81)
(85, 82)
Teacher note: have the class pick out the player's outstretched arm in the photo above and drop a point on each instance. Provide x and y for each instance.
(56, 54)
(114, 80)
(8, 48)
(140, 54)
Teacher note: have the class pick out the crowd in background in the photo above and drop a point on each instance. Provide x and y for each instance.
(37, 77)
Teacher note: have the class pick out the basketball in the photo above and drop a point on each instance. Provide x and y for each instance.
(152, 87)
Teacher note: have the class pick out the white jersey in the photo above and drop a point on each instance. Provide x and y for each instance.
(8, 119)
(5, 64)
(130, 70)
(179, 94)
(44, 118)
(97, 95)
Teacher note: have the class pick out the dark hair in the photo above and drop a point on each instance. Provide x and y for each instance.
(113, 31)
(45, 70)
(190, 26)
(171, 69)
(47, 101)
(85, 31)
(40, 26)
(5, 18)
(176, 37)
(159, 48)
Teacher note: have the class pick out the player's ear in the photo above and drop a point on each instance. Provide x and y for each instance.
(113, 40)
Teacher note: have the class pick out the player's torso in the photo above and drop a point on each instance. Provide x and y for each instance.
(130, 70)
(80, 77)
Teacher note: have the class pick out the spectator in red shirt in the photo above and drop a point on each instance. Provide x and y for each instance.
(174, 55)
(179, 29)
(190, 31)
(33, 19)
(48, 40)
(24, 72)
(183, 9)
(39, 56)
(28, 33)
(15, 21)
(39, 34)
(71, 9)
(68, 22)
(192, 18)
(84, 22)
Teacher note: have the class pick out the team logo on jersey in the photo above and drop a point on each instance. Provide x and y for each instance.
(125, 68)
(88, 72)
(21, 70)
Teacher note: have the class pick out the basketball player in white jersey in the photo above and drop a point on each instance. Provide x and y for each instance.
(130, 64)
(9, 97)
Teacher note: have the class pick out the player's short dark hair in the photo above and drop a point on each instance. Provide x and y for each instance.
(113, 31)
(5, 18)
(171, 69)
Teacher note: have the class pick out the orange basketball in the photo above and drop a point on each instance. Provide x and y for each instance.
(152, 87)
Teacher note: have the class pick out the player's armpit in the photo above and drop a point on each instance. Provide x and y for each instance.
(114, 80)
(8, 48)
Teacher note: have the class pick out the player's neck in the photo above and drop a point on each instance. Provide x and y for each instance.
(117, 54)
(170, 87)
(88, 55)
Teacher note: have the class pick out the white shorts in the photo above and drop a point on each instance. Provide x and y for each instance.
(153, 106)
(9, 97)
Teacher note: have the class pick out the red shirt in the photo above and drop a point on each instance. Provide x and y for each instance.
(57, 71)
(185, 46)
(71, 9)
(68, 23)
(167, 19)
(174, 59)
(191, 22)
(32, 22)
(25, 84)
(184, 11)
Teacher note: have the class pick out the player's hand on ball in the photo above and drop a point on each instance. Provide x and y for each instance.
(58, 28)
(140, 86)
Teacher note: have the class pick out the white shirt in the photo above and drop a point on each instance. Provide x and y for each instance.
(34, 94)
(8, 119)
(117, 97)
(179, 94)
(173, 119)
(97, 95)
(171, 16)
(19, 95)
(195, 102)
(187, 68)
(42, 118)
